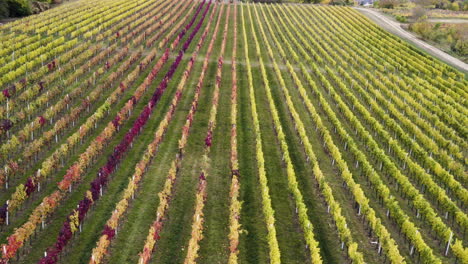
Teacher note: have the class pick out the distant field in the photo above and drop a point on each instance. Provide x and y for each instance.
(197, 132)
(432, 13)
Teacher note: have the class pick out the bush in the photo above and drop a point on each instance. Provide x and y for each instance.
(38, 7)
(422, 28)
(455, 6)
(461, 47)
(401, 19)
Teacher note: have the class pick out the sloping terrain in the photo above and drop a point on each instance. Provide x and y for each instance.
(197, 132)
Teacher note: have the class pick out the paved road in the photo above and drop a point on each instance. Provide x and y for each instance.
(394, 27)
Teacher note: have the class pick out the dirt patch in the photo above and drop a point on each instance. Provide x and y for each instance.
(448, 20)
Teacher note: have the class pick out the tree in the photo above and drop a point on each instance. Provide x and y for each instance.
(4, 10)
(18, 7)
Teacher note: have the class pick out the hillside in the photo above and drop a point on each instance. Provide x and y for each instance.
(188, 131)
